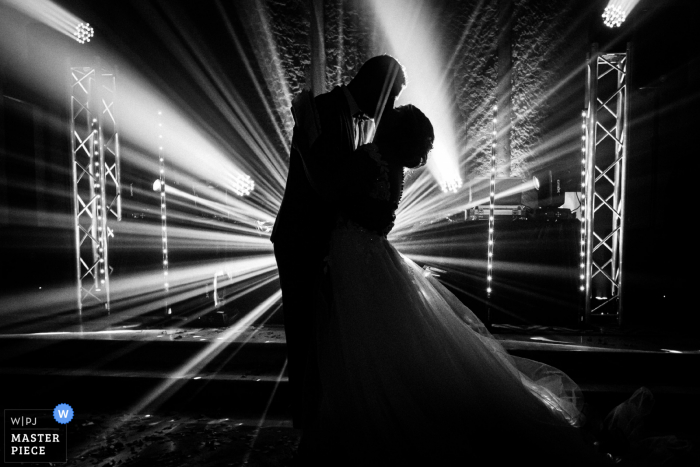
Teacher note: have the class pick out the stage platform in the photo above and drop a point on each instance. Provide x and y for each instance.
(237, 372)
(229, 386)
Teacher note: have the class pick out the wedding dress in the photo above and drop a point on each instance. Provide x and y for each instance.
(409, 373)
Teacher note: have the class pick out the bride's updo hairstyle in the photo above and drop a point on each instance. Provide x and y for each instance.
(414, 135)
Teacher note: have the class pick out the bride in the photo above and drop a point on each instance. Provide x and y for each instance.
(409, 374)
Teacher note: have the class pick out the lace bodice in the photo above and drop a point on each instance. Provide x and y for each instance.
(374, 187)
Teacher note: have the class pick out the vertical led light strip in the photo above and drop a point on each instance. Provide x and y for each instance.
(492, 203)
(163, 209)
(583, 210)
(99, 190)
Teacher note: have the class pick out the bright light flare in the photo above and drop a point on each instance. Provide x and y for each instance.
(83, 33)
(242, 185)
(613, 16)
(617, 11)
(452, 185)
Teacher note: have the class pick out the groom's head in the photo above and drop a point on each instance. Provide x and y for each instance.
(378, 83)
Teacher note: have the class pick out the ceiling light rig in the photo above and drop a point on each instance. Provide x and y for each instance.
(83, 33)
(613, 16)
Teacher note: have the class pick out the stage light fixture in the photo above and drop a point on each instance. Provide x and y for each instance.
(613, 16)
(451, 185)
(83, 33)
(243, 185)
(549, 191)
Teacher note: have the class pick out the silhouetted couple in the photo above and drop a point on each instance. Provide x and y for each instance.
(386, 366)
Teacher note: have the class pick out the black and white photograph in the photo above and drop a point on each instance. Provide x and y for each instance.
(289, 233)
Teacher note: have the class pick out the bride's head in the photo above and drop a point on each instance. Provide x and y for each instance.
(408, 133)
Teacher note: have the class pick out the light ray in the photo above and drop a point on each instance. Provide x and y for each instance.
(48, 13)
(413, 33)
(278, 380)
(156, 397)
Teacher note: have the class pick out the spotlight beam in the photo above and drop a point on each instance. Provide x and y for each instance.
(415, 39)
(48, 13)
(165, 389)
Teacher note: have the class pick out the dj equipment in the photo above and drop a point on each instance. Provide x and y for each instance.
(499, 211)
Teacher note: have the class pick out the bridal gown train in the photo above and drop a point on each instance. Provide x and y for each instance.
(410, 374)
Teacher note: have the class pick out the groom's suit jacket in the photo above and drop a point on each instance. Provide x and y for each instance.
(308, 210)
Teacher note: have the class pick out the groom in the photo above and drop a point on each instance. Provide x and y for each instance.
(328, 128)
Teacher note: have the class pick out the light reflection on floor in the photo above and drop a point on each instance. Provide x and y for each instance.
(588, 342)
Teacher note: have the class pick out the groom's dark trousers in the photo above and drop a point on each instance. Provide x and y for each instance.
(300, 236)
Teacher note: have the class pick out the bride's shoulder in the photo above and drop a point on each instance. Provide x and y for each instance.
(382, 157)
(371, 151)
(374, 160)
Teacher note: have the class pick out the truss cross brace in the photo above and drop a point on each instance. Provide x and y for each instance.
(96, 198)
(603, 178)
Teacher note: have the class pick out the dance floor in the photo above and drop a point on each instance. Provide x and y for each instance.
(218, 395)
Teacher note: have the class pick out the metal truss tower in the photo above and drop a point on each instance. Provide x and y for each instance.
(603, 177)
(96, 179)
